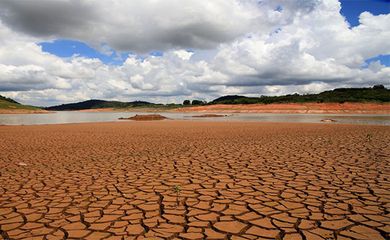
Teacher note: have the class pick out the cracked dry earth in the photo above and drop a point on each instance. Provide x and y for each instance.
(238, 181)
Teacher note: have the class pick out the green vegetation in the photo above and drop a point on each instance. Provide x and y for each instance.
(5, 99)
(177, 190)
(378, 94)
(8, 103)
(369, 137)
(194, 102)
(198, 102)
(95, 104)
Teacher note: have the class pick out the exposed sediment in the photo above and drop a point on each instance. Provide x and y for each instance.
(147, 117)
(311, 108)
(236, 181)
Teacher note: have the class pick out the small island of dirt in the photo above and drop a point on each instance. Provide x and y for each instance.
(149, 117)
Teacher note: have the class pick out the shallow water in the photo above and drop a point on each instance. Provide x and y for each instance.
(82, 117)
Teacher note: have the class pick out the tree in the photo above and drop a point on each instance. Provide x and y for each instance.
(186, 102)
(378, 87)
(197, 102)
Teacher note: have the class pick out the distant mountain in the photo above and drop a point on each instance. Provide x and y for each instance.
(378, 94)
(10, 104)
(94, 104)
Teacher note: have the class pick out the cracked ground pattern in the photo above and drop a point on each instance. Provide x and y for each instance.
(236, 181)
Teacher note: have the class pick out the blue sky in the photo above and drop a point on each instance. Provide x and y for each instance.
(351, 9)
(67, 48)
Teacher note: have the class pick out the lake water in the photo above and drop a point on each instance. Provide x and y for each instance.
(82, 117)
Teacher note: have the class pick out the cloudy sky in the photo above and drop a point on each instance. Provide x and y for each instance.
(61, 51)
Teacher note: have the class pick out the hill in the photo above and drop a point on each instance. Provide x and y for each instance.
(378, 94)
(8, 105)
(5, 99)
(98, 104)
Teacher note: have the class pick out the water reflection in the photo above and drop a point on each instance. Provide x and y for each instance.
(82, 117)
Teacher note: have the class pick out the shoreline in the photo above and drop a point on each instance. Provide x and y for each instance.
(279, 108)
(232, 111)
(195, 121)
(294, 108)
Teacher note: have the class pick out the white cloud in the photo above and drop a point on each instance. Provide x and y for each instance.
(315, 46)
(272, 47)
(132, 25)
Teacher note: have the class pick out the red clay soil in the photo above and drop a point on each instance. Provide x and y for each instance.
(237, 180)
(361, 108)
(148, 117)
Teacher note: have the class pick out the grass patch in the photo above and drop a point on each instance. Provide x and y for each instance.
(12, 105)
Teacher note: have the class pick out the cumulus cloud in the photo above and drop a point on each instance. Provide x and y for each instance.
(133, 25)
(237, 47)
(317, 46)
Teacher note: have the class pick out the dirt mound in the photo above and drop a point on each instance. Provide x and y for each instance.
(148, 117)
